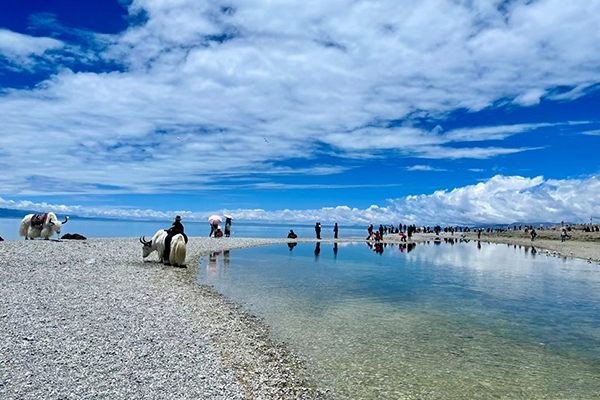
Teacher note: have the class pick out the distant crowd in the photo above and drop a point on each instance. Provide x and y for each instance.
(406, 231)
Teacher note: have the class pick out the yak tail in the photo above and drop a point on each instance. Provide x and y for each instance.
(24, 229)
(178, 250)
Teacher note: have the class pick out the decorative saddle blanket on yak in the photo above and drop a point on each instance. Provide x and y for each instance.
(37, 220)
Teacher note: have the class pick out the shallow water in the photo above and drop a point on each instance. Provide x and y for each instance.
(439, 321)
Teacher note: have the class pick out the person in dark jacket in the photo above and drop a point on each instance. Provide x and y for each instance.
(318, 230)
(176, 228)
(228, 226)
(335, 231)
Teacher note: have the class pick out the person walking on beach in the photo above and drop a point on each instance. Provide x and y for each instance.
(563, 235)
(335, 231)
(318, 230)
(533, 234)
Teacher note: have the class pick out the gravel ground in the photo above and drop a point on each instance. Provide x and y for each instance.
(89, 319)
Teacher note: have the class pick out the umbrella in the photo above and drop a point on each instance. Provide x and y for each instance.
(214, 220)
(228, 216)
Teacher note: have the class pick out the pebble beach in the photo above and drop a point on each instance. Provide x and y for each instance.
(92, 319)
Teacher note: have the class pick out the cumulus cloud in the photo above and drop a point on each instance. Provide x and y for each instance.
(204, 91)
(498, 200)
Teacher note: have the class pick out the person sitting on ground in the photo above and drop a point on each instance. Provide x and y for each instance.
(292, 235)
(219, 232)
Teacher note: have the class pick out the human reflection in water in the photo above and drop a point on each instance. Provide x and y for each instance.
(291, 245)
(378, 248)
(335, 250)
(479, 244)
(533, 251)
(410, 247)
(402, 247)
(226, 259)
(317, 250)
(212, 266)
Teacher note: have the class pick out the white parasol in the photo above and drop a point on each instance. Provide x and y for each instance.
(228, 217)
(215, 220)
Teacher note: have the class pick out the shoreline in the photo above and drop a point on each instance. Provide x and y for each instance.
(84, 319)
(91, 318)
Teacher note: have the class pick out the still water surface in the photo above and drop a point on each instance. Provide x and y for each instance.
(437, 322)
(93, 228)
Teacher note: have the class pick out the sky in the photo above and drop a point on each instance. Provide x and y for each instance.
(350, 111)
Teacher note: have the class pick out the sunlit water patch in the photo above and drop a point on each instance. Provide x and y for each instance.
(433, 321)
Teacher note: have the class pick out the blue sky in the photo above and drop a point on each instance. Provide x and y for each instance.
(451, 112)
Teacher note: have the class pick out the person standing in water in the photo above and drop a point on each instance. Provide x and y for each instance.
(335, 231)
(318, 230)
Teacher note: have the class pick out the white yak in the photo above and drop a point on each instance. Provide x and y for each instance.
(40, 225)
(157, 243)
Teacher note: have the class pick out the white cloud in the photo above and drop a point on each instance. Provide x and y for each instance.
(423, 168)
(203, 86)
(498, 200)
(21, 49)
(530, 97)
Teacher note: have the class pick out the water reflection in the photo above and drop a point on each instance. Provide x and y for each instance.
(212, 266)
(291, 245)
(226, 260)
(464, 321)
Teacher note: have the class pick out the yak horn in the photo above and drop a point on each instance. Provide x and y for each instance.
(144, 241)
(66, 219)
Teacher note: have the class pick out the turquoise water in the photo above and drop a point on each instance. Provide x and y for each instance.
(437, 322)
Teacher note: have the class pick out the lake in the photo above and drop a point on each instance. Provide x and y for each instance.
(462, 321)
(91, 228)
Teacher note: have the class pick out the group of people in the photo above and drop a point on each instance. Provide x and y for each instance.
(293, 235)
(318, 230)
(215, 228)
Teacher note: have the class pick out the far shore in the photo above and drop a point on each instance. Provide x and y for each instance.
(579, 244)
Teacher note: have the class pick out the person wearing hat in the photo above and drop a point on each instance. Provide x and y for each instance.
(176, 228)
(177, 225)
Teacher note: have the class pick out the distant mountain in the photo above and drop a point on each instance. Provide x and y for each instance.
(8, 213)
